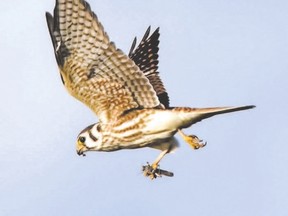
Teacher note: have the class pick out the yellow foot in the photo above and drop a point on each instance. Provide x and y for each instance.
(152, 171)
(193, 140)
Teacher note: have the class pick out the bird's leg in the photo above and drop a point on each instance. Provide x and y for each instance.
(192, 140)
(153, 170)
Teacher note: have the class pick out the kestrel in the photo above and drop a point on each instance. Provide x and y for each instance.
(124, 91)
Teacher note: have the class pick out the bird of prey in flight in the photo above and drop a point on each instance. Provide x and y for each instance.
(124, 91)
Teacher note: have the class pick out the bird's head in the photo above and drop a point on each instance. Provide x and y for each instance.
(89, 139)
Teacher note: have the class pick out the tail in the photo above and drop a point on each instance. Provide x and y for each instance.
(194, 115)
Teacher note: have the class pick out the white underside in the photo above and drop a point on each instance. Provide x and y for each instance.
(160, 127)
(162, 122)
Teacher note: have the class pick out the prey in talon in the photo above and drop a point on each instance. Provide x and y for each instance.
(153, 173)
(125, 91)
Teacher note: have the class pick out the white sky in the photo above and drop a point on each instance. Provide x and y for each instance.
(212, 53)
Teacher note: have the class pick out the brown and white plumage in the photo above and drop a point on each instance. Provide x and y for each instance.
(125, 92)
(92, 68)
(146, 58)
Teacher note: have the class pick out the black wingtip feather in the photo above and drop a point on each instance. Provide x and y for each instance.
(51, 27)
(132, 46)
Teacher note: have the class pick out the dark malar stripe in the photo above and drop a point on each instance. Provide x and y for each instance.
(92, 136)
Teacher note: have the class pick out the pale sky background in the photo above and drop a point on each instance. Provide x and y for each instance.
(212, 53)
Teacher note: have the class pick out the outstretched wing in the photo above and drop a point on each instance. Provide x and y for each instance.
(146, 58)
(92, 68)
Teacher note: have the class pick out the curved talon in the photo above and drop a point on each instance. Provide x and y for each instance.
(198, 143)
(193, 140)
(149, 171)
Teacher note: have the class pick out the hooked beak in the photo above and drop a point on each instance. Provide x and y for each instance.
(80, 149)
(79, 152)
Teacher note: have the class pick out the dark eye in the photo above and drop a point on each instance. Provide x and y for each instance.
(82, 139)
